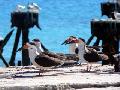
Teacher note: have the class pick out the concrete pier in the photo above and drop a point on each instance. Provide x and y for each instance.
(65, 78)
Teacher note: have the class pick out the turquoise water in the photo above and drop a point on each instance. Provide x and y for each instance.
(58, 20)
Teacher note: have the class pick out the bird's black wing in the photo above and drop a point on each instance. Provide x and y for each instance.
(92, 56)
(46, 61)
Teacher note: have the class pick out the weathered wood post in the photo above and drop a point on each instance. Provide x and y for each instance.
(1, 57)
(18, 33)
(23, 21)
(90, 39)
(109, 32)
(3, 42)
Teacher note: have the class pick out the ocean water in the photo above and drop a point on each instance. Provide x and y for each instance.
(58, 20)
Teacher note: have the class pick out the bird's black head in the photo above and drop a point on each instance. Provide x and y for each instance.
(36, 40)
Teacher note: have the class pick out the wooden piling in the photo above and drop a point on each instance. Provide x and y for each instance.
(6, 64)
(25, 56)
(23, 21)
(109, 32)
(15, 47)
(2, 44)
(90, 39)
(97, 42)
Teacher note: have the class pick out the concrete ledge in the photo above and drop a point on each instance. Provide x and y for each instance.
(64, 78)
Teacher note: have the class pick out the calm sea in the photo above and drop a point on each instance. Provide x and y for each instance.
(58, 20)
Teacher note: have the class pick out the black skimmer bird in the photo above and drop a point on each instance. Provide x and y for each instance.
(44, 61)
(40, 47)
(88, 55)
(71, 39)
(33, 7)
(20, 8)
(73, 44)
